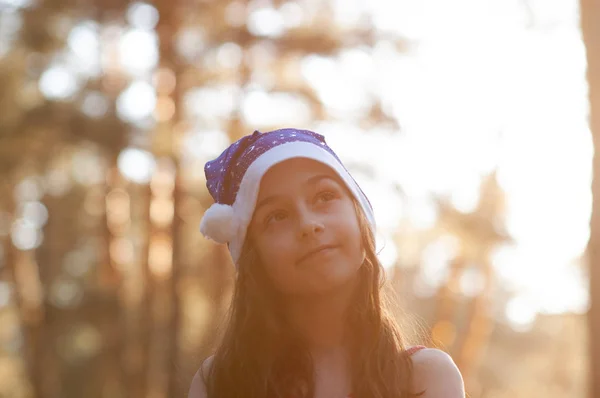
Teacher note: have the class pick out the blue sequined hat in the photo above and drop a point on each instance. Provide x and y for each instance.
(233, 180)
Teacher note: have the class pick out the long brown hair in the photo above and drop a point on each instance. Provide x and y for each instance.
(261, 355)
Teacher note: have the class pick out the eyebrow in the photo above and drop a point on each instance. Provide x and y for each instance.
(311, 181)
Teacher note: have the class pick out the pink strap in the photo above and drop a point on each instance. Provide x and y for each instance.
(414, 349)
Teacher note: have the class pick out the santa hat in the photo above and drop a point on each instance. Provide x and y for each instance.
(233, 180)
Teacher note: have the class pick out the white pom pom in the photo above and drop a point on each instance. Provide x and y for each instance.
(219, 223)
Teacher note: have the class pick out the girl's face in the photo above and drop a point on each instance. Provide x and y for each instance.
(305, 229)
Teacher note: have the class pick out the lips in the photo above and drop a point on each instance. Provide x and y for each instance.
(315, 252)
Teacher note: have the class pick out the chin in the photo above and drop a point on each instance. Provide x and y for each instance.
(319, 278)
(335, 278)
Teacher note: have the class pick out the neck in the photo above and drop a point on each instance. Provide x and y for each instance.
(322, 320)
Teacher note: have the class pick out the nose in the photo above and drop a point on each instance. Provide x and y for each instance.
(310, 223)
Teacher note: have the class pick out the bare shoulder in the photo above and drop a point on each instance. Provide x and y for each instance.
(436, 373)
(198, 386)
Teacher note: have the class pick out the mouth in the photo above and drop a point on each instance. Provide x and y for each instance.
(316, 252)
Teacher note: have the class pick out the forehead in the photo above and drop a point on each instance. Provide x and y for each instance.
(290, 173)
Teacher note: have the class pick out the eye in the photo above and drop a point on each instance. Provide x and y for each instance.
(325, 196)
(278, 215)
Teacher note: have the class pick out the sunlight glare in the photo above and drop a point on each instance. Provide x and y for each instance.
(94, 104)
(84, 42)
(211, 102)
(520, 314)
(422, 213)
(57, 82)
(349, 13)
(472, 281)
(293, 14)
(266, 21)
(260, 108)
(230, 55)
(136, 165)
(204, 145)
(142, 16)
(512, 99)
(136, 102)
(17, 3)
(190, 43)
(436, 259)
(387, 251)
(330, 80)
(29, 189)
(26, 235)
(138, 51)
(35, 213)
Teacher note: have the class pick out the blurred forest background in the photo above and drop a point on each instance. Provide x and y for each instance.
(465, 121)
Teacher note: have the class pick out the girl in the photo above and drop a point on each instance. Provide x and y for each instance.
(307, 317)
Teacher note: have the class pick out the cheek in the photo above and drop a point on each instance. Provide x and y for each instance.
(349, 231)
(274, 245)
(276, 256)
(347, 224)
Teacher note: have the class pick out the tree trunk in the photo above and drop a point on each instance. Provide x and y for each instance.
(590, 25)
